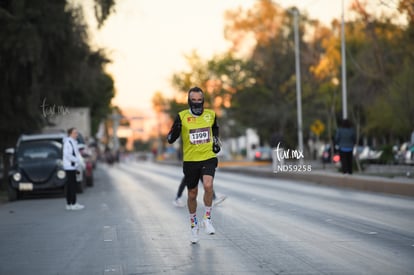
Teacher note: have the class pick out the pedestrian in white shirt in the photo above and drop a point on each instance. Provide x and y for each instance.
(71, 161)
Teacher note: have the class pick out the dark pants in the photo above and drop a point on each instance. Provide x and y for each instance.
(181, 188)
(71, 186)
(346, 162)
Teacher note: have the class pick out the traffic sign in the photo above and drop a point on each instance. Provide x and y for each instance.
(317, 127)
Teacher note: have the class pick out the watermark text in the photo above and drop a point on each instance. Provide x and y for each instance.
(280, 155)
(53, 110)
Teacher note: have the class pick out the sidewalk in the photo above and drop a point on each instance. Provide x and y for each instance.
(328, 175)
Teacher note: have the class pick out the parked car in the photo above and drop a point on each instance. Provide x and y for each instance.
(81, 176)
(367, 154)
(88, 163)
(38, 166)
(404, 154)
(328, 155)
(263, 154)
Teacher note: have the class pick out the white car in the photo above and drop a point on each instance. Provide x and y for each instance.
(365, 153)
(405, 154)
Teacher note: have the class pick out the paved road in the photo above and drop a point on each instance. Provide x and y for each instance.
(266, 226)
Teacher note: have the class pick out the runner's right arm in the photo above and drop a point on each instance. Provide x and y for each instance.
(175, 130)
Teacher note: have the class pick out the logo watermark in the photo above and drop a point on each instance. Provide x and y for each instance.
(280, 155)
(53, 110)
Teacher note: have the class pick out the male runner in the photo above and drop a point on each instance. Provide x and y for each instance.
(199, 132)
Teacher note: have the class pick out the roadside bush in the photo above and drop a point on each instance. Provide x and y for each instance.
(387, 156)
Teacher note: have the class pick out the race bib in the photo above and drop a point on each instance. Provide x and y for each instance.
(199, 136)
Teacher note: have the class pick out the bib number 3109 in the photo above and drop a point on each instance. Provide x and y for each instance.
(198, 136)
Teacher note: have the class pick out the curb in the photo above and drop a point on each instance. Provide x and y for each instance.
(376, 184)
(397, 186)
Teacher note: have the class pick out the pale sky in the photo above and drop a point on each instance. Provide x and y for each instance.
(147, 40)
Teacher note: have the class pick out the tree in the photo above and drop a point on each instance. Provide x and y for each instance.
(259, 84)
(221, 78)
(159, 103)
(376, 52)
(391, 115)
(44, 54)
(103, 9)
(271, 102)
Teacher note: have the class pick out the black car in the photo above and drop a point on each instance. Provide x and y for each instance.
(37, 166)
(42, 168)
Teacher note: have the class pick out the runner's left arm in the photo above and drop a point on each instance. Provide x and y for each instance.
(215, 128)
(216, 140)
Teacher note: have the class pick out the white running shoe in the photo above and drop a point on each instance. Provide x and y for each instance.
(77, 206)
(219, 200)
(68, 207)
(194, 235)
(178, 203)
(208, 227)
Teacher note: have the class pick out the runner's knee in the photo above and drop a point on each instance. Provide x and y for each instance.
(192, 193)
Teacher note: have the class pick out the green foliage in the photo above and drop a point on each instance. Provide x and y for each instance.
(44, 55)
(221, 78)
(379, 72)
(262, 88)
(393, 112)
(387, 156)
(196, 76)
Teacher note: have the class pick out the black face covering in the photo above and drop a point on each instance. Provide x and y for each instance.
(196, 108)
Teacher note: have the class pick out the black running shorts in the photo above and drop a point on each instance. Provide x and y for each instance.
(194, 170)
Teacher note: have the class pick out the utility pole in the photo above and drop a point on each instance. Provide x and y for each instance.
(343, 53)
(115, 124)
(298, 82)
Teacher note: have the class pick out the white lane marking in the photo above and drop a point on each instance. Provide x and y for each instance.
(109, 233)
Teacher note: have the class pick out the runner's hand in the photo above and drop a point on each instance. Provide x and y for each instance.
(216, 145)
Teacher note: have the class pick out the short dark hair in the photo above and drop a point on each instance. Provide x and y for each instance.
(70, 130)
(195, 89)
